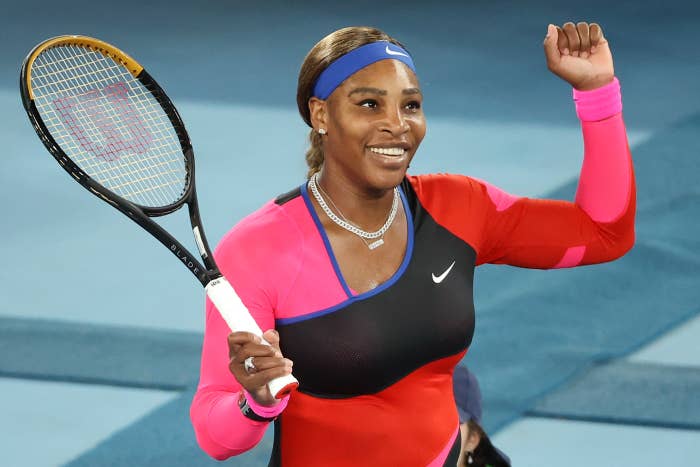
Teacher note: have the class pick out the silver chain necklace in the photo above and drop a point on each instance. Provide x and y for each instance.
(313, 185)
(325, 195)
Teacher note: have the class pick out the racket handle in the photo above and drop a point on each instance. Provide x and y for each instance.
(236, 315)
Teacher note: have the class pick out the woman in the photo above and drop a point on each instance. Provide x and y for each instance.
(363, 275)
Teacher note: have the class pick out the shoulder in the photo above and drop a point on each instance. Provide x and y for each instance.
(270, 230)
(440, 188)
(261, 253)
(426, 184)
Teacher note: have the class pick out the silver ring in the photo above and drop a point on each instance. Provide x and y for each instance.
(249, 365)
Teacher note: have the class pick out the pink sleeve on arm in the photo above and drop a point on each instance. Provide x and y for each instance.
(605, 183)
(220, 428)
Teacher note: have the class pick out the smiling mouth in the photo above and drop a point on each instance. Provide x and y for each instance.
(389, 151)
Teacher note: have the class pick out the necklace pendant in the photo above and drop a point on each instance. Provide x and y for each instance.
(376, 244)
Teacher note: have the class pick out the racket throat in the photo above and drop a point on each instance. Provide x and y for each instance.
(183, 256)
(200, 242)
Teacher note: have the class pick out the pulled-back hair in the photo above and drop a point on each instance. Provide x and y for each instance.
(325, 52)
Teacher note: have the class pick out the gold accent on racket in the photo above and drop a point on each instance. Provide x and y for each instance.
(108, 50)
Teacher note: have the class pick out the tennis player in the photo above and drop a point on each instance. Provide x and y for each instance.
(363, 274)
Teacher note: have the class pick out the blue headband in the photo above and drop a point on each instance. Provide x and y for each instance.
(354, 61)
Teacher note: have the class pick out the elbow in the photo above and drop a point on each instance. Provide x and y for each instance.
(622, 245)
(629, 244)
(220, 429)
(198, 418)
(219, 456)
(619, 236)
(209, 447)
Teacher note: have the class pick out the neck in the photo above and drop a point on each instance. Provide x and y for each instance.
(365, 207)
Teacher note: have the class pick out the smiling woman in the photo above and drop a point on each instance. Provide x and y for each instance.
(363, 274)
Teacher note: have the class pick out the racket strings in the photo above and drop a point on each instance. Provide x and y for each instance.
(132, 186)
(146, 169)
(110, 125)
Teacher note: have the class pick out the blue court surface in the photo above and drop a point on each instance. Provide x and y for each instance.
(100, 330)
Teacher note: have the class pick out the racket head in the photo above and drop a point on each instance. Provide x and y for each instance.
(108, 123)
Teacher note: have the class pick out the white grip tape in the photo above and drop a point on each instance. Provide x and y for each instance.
(238, 318)
(231, 307)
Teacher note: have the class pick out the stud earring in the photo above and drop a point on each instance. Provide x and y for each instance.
(321, 131)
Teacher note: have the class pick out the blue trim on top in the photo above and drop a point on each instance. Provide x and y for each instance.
(326, 241)
(370, 293)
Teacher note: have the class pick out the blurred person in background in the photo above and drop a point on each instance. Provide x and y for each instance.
(477, 449)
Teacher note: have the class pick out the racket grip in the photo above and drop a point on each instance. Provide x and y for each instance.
(238, 319)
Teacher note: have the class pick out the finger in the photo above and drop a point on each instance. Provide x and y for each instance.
(265, 363)
(262, 378)
(256, 383)
(237, 364)
(551, 51)
(242, 338)
(562, 41)
(259, 364)
(273, 338)
(572, 35)
(596, 35)
(255, 350)
(583, 34)
(238, 339)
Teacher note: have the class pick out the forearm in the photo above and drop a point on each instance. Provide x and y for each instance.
(606, 184)
(220, 428)
(606, 188)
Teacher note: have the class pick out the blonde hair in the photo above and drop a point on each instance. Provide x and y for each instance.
(325, 52)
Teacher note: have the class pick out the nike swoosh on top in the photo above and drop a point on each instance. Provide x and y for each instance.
(394, 52)
(441, 277)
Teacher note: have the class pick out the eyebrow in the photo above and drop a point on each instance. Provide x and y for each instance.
(411, 91)
(382, 92)
(366, 90)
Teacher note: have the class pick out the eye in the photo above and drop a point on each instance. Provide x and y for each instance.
(413, 105)
(369, 103)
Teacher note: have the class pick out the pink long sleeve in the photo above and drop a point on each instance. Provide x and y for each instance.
(605, 185)
(220, 428)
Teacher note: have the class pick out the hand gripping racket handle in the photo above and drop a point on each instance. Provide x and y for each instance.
(238, 319)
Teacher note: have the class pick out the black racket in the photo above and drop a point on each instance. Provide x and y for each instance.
(109, 125)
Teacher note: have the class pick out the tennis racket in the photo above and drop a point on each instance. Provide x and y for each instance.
(114, 130)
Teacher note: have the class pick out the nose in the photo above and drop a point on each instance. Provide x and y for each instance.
(395, 121)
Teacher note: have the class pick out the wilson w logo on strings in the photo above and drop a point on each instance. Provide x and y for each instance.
(92, 119)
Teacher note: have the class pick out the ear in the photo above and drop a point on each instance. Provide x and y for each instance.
(473, 439)
(318, 113)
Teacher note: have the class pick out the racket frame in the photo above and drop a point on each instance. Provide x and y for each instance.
(217, 287)
(206, 270)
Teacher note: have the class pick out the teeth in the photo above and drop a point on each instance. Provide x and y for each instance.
(388, 151)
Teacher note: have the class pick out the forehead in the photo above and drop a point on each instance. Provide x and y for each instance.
(384, 74)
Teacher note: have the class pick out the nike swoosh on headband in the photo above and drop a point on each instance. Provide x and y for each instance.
(394, 52)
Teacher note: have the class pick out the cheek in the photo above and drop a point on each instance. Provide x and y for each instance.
(353, 130)
(418, 129)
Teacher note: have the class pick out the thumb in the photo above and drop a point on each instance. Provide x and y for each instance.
(272, 338)
(551, 51)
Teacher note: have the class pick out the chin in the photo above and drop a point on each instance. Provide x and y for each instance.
(388, 179)
(388, 171)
